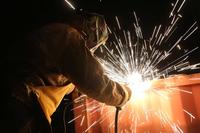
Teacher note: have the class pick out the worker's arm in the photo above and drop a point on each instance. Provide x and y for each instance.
(87, 74)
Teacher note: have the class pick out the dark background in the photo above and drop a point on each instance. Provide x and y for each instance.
(20, 17)
(23, 16)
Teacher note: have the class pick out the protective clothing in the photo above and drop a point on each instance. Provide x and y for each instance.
(56, 58)
(50, 97)
(92, 26)
(95, 29)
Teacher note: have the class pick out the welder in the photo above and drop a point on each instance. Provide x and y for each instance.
(55, 58)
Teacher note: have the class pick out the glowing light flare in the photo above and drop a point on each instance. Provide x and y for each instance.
(137, 85)
(70, 4)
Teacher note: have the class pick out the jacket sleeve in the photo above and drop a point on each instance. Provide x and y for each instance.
(86, 73)
(61, 46)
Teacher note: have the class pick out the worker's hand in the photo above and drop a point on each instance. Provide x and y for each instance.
(127, 95)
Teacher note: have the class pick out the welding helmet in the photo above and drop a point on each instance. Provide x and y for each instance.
(95, 30)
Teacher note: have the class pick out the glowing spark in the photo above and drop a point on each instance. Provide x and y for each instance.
(191, 33)
(192, 117)
(83, 118)
(82, 105)
(179, 129)
(181, 5)
(70, 4)
(118, 22)
(74, 119)
(158, 30)
(90, 126)
(80, 98)
(172, 12)
(95, 110)
(189, 92)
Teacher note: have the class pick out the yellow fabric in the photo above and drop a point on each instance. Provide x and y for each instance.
(50, 97)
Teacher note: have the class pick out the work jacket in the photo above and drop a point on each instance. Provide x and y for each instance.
(55, 59)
